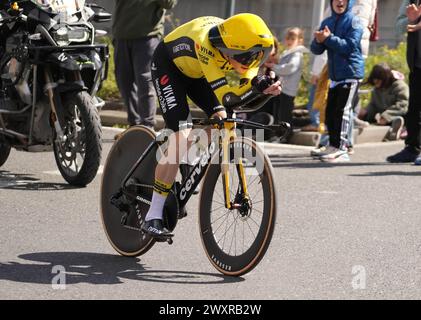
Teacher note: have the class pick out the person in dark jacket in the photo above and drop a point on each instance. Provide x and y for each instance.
(340, 34)
(138, 27)
(409, 19)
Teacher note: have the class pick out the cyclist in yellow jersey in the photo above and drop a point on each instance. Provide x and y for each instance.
(194, 60)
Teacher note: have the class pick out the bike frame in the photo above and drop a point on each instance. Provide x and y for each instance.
(227, 127)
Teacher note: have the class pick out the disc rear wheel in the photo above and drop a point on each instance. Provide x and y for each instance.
(124, 232)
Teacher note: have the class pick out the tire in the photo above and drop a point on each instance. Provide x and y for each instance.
(80, 116)
(4, 152)
(123, 155)
(213, 215)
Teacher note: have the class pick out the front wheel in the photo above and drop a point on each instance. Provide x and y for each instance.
(235, 240)
(78, 152)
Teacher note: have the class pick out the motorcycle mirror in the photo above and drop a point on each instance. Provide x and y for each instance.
(15, 6)
(14, 9)
(100, 33)
(100, 15)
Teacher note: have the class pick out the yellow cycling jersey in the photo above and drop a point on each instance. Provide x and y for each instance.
(195, 57)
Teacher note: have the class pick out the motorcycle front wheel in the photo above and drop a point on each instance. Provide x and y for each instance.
(4, 152)
(78, 152)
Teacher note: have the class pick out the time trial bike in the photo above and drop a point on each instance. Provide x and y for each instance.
(237, 205)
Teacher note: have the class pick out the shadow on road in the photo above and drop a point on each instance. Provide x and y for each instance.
(96, 268)
(15, 181)
(388, 173)
(314, 164)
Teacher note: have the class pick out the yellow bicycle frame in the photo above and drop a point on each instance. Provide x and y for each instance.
(228, 135)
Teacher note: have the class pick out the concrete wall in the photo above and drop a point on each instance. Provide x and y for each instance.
(279, 14)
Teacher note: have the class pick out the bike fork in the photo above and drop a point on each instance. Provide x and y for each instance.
(228, 135)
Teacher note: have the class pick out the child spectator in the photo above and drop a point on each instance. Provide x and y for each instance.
(365, 10)
(264, 69)
(389, 100)
(289, 69)
(340, 34)
(264, 115)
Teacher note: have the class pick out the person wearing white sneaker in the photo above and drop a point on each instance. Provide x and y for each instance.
(323, 150)
(340, 35)
(409, 21)
(336, 156)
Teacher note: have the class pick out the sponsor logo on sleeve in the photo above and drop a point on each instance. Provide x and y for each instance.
(182, 47)
(165, 93)
(218, 83)
(164, 80)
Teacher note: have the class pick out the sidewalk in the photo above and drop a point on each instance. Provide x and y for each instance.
(112, 115)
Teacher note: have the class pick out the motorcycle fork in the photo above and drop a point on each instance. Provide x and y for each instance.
(49, 87)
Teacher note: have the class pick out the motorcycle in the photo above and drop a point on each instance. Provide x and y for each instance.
(50, 71)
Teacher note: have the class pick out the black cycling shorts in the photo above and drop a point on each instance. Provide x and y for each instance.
(172, 88)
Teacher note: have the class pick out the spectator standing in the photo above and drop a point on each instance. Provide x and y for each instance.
(365, 10)
(315, 105)
(340, 34)
(289, 69)
(138, 27)
(265, 114)
(316, 74)
(409, 19)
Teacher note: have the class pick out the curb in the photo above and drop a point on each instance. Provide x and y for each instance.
(275, 148)
(371, 134)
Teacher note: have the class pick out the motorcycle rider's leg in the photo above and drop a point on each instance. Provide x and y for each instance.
(142, 53)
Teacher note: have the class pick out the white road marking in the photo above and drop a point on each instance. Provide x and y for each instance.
(57, 173)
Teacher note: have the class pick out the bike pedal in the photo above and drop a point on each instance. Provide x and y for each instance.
(164, 239)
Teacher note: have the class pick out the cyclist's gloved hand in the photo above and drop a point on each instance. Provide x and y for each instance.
(262, 82)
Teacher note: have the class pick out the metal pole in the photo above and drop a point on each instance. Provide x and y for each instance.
(318, 9)
(230, 8)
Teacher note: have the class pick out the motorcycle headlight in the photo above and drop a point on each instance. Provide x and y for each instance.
(61, 36)
(78, 34)
(65, 35)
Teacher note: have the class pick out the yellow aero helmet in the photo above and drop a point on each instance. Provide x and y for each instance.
(244, 37)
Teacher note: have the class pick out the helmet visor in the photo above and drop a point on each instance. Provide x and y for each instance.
(251, 58)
